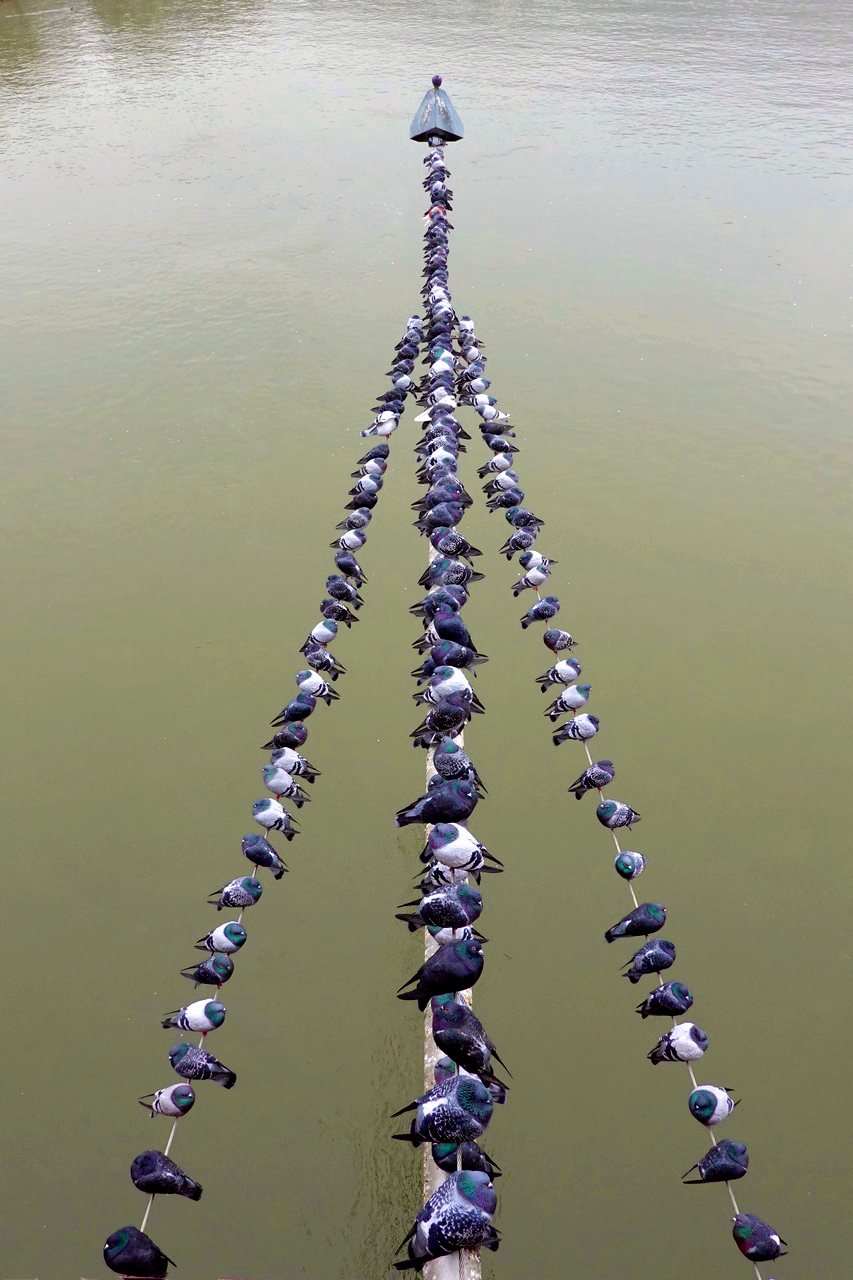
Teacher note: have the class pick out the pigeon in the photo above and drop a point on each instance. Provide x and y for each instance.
(226, 938)
(310, 682)
(454, 846)
(445, 624)
(448, 802)
(446, 572)
(445, 515)
(725, 1162)
(157, 1175)
(281, 784)
(323, 634)
(273, 817)
(445, 720)
(242, 892)
(545, 608)
(629, 864)
(321, 660)
(521, 518)
(299, 709)
(498, 444)
(450, 542)
(366, 484)
(647, 918)
(354, 539)
(502, 499)
(459, 1033)
(755, 1239)
(294, 763)
(653, 957)
(451, 908)
(521, 540)
(450, 761)
(381, 450)
(571, 699)
(668, 1000)
(339, 613)
(613, 814)
(130, 1252)
(440, 936)
(289, 735)
(437, 874)
(598, 775)
(498, 464)
(456, 1110)
(684, 1043)
(212, 972)
(501, 482)
(456, 1216)
(346, 563)
(581, 729)
(175, 1101)
(557, 640)
(710, 1104)
(384, 424)
(446, 1156)
(454, 967)
(204, 1015)
(444, 681)
(449, 654)
(197, 1064)
(259, 851)
(339, 589)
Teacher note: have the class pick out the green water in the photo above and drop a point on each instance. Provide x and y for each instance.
(210, 235)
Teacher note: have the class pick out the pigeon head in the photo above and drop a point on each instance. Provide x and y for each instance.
(584, 689)
(679, 990)
(182, 1096)
(303, 675)
(223, 967)
(254, 841)
(213, 1010)
(606, 809)
(178, 1052)
(444, 1069)
(446, 748)
(698, 1036)
(704, 1102)
(252, 886)
(443, 833)
(461, 787)
(261, 806)
(447, 1012)
(469, 951)
(468, 893)
(117, 1242)
(236, 935)
(477, 1189)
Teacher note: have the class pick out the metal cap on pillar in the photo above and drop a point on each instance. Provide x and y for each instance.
(436, 119)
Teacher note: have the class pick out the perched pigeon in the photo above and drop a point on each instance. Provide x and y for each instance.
(446, 719)
(129, 1252)
(378, 451)
(450, 542)
(340, 613)
(598, 775)
(459, 1033)
(299, 709)
(613, 814)
(653, 957)
(725, 1162)
(203, 1015)
(456, 1110)
(450, 761)
(581, 729)
(282, 784)
(226, 938)
(242, 892)
(521, 540)
(521, 518)
(444, 681)
(384, 424)
(453, 907)
(544, 609)
(629, 864)
(289, 735)
(446, 1067)
(533, 578)
(273, 817)
(197, 1064)
(456, 1216)
(756, 1240)
(354, 539)
(647, 918)
(319, 659)
(294, 763)
(684, 1043)
(259, 851)
(175, 1101)
(157, 1175)
(710, 1104)
(571, 699)
(212, 972)
(346, 563)
(309, 682)
(668, 1000)
(360, 518)
(453, 846)
(448, 802)
(454, 967)
(563, 672)
(446, 1155)
(339, 589)
(557, 640)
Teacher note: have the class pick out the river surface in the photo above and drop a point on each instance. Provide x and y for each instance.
(210, 236)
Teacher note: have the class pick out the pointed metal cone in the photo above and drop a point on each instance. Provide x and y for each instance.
(436, 117)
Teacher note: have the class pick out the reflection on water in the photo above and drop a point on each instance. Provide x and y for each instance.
(210, 237)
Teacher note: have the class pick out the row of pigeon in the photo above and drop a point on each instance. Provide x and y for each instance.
(129, 1251)
(685, 1042)
(455, 1112)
